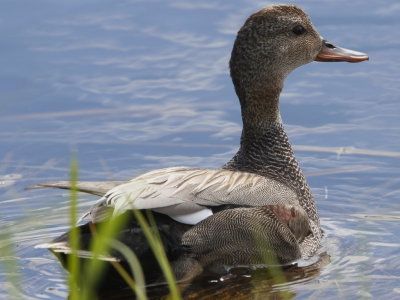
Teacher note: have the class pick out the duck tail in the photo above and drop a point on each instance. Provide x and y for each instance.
(99, 188)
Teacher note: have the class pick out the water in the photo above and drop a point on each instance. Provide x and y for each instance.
(137, 85)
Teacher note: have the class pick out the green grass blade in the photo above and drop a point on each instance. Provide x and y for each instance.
(140, 286)
(153, 237)
(9, 262)
(274, 268)
(100, 245)
(73, 260)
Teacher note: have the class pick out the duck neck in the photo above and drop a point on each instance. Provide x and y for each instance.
(264, 145)
(265, 149)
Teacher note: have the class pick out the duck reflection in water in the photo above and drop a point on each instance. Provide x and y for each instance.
(213, 219)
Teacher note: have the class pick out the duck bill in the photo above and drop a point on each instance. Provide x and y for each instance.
(332, 53)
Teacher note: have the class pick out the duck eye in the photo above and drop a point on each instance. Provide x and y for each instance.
(298, 30)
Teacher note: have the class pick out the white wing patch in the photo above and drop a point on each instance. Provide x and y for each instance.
(184, 193)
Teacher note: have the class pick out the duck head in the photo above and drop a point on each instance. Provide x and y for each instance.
(272, 43)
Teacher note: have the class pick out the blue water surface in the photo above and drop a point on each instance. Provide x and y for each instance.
(134, 85)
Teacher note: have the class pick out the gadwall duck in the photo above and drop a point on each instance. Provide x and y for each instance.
(261, 195)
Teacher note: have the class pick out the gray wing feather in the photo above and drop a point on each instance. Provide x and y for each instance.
(181, 190)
